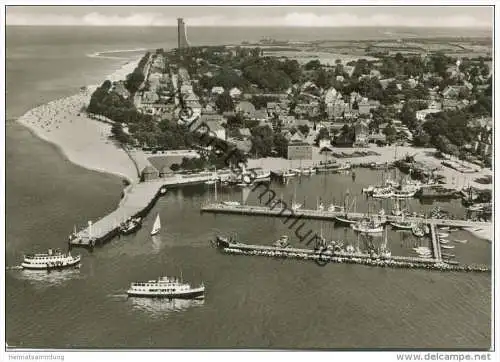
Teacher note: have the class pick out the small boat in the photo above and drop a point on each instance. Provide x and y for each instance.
(163, 191)
(156, 225)
(244, 184)
(463, 241)
(448, 246)
(383, 194)
(231, 203)
(448, 255)
(350, 249)
(210, 182)
(296, 206)
(336, 208)
(308, 171)
(368, 227)
(52, 260)
(344, 220)
(282, 242)
(418, 231)
(166, 287)
(368, 190)
(444, 228)
(423, 251)
(443, 235)
(131, 226)
(402, 225)
(288, 173)
(443, 241)
(400, 194)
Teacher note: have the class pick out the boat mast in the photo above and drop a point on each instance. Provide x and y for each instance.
(215, 187)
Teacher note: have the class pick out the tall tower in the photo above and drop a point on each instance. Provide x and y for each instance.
(182, 41)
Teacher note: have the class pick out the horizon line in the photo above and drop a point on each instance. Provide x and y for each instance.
(253, 26)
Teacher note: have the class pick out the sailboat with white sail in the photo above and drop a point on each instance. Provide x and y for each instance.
(156, 225)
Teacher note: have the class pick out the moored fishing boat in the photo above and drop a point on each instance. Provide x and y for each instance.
(448, 246)
(288, 173)
(308, 171)
(383, 193)
(52, 260)
(443, 235)
(231, 203)
(367, 226)
(282, 242)
(402, 224)
(131, 225)
(403, 194)
(418, 231)
(463, 241)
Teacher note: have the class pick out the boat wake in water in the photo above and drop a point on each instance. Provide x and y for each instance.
(162, 306)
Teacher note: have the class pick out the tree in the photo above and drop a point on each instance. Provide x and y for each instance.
(262, 141)
(312, 65)
(224, 102)
(304, 129)
(391, 133)
(119, 135)
(322, 134)
(134, 80)
(280, 145)
(421, 139)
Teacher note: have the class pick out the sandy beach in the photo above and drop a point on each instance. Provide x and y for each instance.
(82, 140)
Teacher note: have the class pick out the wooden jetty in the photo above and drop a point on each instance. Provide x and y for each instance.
(138, 199)
(280, 211)
(436, 248)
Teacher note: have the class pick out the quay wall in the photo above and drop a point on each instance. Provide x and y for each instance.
(138, 199)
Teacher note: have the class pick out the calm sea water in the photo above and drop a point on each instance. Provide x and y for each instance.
(250, 301)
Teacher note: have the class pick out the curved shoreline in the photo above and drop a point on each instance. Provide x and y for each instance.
(83, 141)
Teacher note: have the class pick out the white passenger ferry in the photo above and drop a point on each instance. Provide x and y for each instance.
(53, 259)
(166, 287)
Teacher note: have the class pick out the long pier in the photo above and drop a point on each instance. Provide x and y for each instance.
(327, 215)
(138, 199)
(322, 258)
(436, 247)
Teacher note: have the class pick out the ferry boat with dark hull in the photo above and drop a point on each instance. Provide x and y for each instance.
(52, 260)
(166, 287)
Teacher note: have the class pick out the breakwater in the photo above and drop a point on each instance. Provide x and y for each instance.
(322, 258)
(137, 201)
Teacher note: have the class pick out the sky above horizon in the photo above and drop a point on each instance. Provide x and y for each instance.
(308, 16)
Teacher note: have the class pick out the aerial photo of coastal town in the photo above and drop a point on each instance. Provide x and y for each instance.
(324, 181)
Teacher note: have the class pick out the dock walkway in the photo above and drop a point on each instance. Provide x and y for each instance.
(436, 247)
(327, 215)
(138, 199)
